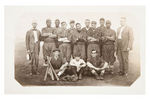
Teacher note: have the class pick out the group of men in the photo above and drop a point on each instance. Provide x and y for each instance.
(75, 50)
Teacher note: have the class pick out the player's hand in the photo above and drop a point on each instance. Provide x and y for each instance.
(128, 49)
(28, 51)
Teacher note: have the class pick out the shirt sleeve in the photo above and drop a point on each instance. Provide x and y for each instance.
(83, 62)
(72, 63)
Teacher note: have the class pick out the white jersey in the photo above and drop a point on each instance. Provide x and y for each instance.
(78, 64)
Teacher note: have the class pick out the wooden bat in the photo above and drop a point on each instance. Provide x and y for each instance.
(52, 69)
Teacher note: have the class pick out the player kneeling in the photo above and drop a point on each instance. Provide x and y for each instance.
(97, 65)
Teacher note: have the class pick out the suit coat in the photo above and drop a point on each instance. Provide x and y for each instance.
(127, 38)
(30, 39)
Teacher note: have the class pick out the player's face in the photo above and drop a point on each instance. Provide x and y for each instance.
(72, 25)
(56, 53)
(48, 23)
(94, 54)
(57, 22)
(87, 23)
(34, 25)
(64, 25)
(78, 26)
(108, 25)
(122, 22)
(102, 22)
(93, 25)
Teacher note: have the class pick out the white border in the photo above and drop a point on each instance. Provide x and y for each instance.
(78, 2)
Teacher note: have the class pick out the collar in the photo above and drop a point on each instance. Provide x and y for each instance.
(123, 26)
(34, 29)
(87, 28)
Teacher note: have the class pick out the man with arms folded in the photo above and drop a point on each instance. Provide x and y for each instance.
(79, 40)
(64, 39)
(93, 39)
(49, 40)
(108, 48)
(101, 31)
(85, 30)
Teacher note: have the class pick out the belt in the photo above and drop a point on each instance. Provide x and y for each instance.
(49, 42)
(80, 42)
(93, 42)
(65, 42)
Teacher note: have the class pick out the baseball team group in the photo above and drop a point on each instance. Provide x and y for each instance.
(75, 51)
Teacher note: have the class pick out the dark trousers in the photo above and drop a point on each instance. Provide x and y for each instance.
(48, 49)
(79, 48)
(108, 53)
(123, 61)
(122, 58)
(65, 49)
(35, 58)
(72, 70)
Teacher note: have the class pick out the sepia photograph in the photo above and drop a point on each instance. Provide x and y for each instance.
(75, 45)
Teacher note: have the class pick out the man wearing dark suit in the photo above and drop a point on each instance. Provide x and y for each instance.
(124, 44)
(33, 47)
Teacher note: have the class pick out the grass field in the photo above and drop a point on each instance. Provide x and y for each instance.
(22, 70)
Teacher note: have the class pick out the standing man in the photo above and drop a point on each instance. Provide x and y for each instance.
(72, 27)
(57, 23)
(87, 26)
(92, 39)
(72, 31)
(124, 45)
(101, 31)
(85, 30)
(33, 47)
(108, 48)
(64, 39)
(49, 40)
(79, 40)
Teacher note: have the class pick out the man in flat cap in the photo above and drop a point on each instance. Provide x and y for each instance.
(85, 31)
(64, 39)
(124, 44)
(71, 31)
(58, 62)
(33, 47)
(79, 41)
(92, 39)
(101, 31)
(108, 48)
(49, 40)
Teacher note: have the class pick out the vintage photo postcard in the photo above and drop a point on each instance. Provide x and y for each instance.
(74, 49)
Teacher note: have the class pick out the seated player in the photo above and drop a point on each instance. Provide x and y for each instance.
(58, 62)
(97, 65)
(74, 70)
